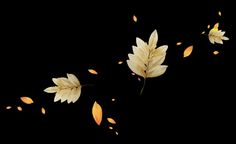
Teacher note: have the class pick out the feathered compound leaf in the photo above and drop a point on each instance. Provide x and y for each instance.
(146, 60)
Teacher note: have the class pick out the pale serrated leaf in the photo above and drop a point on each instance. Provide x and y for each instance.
(73, 79)
(158, 60)
(153, 39)
(136, 68)
(53, 89)
(77, 94)
(137, 60)
(156, 71)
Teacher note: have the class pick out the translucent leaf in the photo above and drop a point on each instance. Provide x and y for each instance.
(133, 73)
(97, 113)
(113, 99)
(27, 100)
(92, 71)
(178, 43)
(110, 127)
(188, 51)
(43, 110)
(135, 19)
(216, 52)
(111, 120)
(203, 32)
(19, 108)
(219, 13)
(120, 62)
(117, 133)
(8, 107)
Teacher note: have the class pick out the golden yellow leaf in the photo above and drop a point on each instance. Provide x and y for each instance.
(8, 107)
(111, 120)
(216, 26)
(27, 100)
(178, 43)
(135, 18)
(203, 32)
(216, 52)
(110, 127)
(219, 13)
(92, 71)
(19, 108)
(113, 99)
(43, 110)
(120, 62)
(97, 113)
(208, 26)
(188, 51)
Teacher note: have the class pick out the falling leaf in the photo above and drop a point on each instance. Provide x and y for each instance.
(178, 43)
(216, 36)
(43, 110)
(27, 100)
(188, 51)
(208, 26)
(113, 99)
(19, 108)
(67, 89)
(139, 79)
(8, 107)
(133, 73)
(117, 133)
(203, 32)
(97, 113)
(92, 71)
(219, 13)
(146, 60)
(120, 62)
(216, 26)
(111, 120)
(135, 18)
(110, 127)
(216, 52)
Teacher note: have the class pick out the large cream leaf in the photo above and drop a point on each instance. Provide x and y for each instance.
(97, 113)
(146, 60)
(66, 89)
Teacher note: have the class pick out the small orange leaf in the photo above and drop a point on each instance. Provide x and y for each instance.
(219, 13)
(8, 107)
(120, 62)
(92, 71)
(111, 120)
(208, 26)
(19, 108)
(43, 110)
(216, 52)
(178, 43)
(135, 18)
(97, 113)
(188, 51)
(216, 26)
(110, 127)
(27, 100)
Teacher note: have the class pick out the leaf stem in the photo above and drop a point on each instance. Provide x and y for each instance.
(144, 83)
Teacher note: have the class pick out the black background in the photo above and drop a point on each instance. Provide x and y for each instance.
(192, 101)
